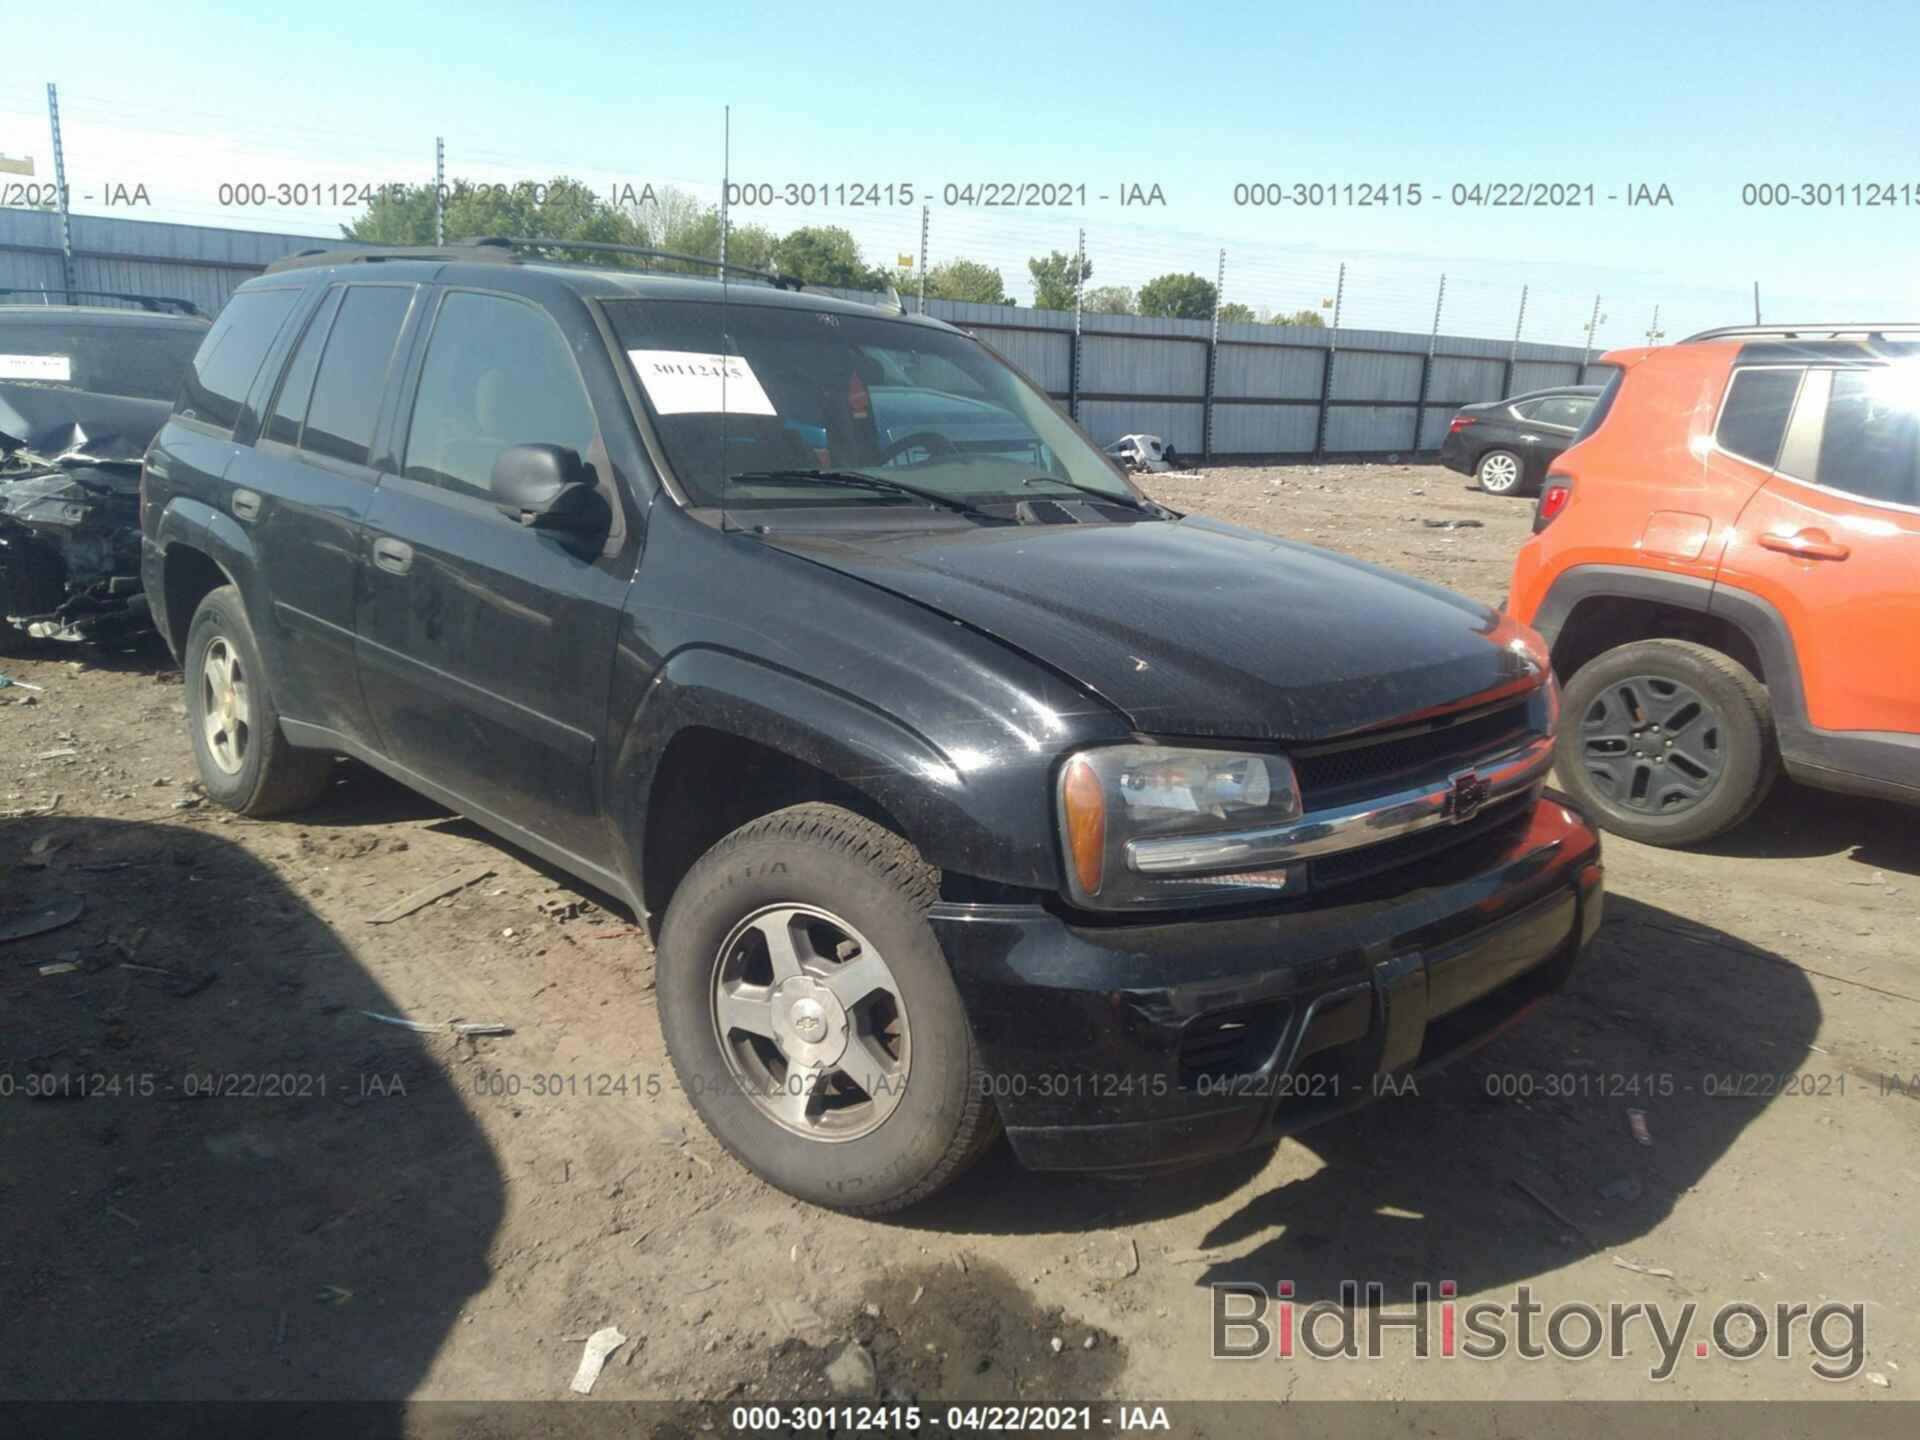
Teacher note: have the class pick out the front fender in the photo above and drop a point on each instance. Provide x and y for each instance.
(981, 814)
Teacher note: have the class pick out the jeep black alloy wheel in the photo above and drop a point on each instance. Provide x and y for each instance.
(811, 1016)
(1667, 741)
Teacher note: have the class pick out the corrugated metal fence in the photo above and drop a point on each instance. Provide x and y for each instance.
(1260, 391)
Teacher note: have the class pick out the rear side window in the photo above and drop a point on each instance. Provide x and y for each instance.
(1754, 419)
(498, 373)
(290, 405)
(1563, 410)
(1870, 446)
(353, 372)
(230, 356)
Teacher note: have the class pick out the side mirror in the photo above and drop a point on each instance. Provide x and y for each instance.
(547, 487)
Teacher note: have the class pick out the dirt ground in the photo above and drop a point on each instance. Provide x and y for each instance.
(244, 1186)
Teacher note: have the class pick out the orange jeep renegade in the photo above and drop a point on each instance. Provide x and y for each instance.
(1726, 563)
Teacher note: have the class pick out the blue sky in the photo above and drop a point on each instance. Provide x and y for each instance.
(1193, 98)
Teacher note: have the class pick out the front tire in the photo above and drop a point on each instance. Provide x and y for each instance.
(1501, 472)
(811, 1016)
(245, 763)
(1666, 741)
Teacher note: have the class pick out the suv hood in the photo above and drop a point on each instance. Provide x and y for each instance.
(1194, 627)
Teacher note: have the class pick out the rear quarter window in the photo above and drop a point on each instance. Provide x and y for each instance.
(1753, 421)
(229, 358)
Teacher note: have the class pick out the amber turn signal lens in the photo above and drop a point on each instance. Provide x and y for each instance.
(1085, 801)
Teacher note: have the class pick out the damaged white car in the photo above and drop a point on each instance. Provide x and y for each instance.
(82, 391)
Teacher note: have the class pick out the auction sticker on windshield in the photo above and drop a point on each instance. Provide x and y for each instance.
(37, 367)
(682, 382)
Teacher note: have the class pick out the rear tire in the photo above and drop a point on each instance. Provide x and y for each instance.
(1666, 741)
(245, 763)
(1501, 472)
(773, 1061)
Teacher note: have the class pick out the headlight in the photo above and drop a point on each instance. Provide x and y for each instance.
(1111, 797)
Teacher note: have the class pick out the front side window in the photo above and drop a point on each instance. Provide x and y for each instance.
(289, 408)
(498, 374)
(353, 372)
(1870, 445)
(1754, 419)
(229, 358)
(746, 394)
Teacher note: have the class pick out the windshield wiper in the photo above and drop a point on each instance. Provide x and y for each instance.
(857, 480)
(1145, 507)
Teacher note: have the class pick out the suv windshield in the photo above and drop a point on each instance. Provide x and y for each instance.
(141, 362)
(780, 390)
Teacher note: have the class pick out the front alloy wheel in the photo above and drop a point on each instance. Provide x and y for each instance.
(811, 1022)
(811, 1015)
(226, 710)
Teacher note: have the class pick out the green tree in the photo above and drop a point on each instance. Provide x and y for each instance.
(1232, 312)
(560, 208)
(826, 255)
(1054, 278)
(1305, 319)
(966, 280)
(1107, 300)
(1177, 297)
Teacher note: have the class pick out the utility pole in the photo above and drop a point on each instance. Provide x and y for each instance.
(60, 187)
(1592, 324)
(1073, 358)
(925, 211)
(1654, 333)
(1212, 360)
(439, 190)
(726, 180)
(1513, 350)
(1426, 365)
(1756, 302)
(1326, 368)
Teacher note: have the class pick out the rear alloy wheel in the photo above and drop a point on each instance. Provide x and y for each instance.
(1500, 472)
(812, 1018)
(1666, 741)
(245, 763)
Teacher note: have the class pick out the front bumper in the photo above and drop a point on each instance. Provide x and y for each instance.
(1134, 1047)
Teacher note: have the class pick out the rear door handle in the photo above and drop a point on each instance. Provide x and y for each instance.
(393, 556)
(1807, 545)
(245, 504)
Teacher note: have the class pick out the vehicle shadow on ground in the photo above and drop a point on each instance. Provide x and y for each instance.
(1515, 1161)
(242, 1188)
(1795, 822)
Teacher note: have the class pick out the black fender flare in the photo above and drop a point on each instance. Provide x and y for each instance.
(1002, 834)
(192, 524)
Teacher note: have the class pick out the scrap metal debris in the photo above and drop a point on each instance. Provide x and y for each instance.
(420, 899)
(462, 1028)
(600, 1345)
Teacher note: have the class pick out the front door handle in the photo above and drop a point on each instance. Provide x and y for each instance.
(1807, 545)
(393, 556)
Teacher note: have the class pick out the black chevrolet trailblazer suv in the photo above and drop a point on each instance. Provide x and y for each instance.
(965, 786)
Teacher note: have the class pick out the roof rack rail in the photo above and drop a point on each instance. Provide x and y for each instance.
(1803, 332)
(603, 247)
(373, 254)
(152, 304)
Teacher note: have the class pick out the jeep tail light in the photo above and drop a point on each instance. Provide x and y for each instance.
(1554, 495)
(1460, 422)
